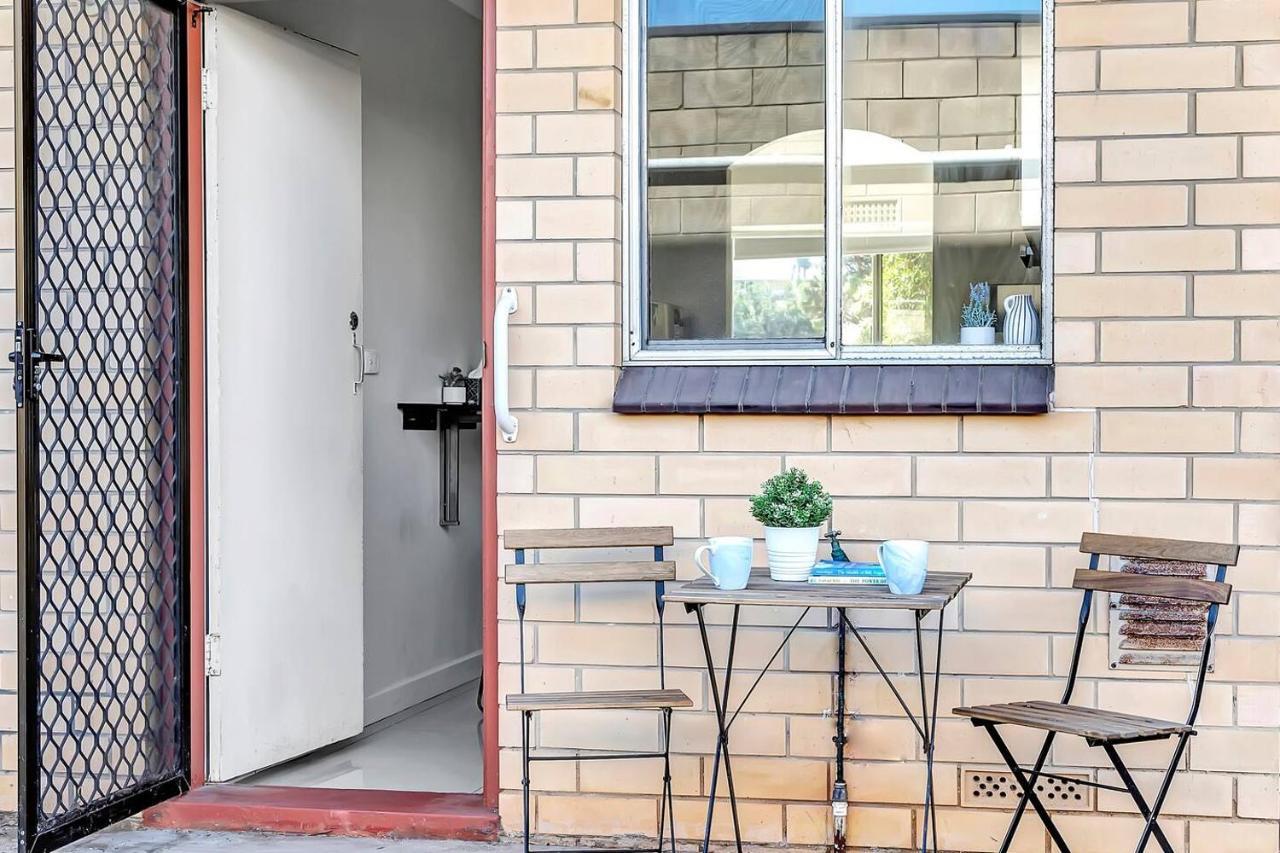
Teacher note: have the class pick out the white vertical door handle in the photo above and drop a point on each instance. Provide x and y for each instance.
(508, 426)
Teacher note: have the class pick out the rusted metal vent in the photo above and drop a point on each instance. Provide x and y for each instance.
(987, 788)
(1151, 631)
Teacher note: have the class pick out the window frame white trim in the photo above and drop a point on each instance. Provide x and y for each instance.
(828, 351)
(833, 128)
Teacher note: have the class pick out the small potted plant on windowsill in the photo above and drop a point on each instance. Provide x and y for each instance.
(977, 320)
(792, 508)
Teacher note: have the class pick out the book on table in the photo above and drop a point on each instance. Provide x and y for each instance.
(841, 572)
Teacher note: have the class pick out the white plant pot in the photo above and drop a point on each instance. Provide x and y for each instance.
(792, 552)
(977, 335)
(453, 395)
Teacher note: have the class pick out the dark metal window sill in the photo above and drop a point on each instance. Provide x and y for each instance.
(925, 389)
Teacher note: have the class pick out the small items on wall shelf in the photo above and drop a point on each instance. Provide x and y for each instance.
(447, 419)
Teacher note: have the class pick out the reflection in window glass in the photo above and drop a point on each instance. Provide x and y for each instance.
(941, 174)
(735, 173)
(906, 298)
(939, 182)
(859, 320)
(888, 299)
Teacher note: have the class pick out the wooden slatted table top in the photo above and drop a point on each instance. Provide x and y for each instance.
(939, 589)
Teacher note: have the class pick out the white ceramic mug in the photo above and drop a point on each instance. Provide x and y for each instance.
(730, 561)
(905, 563)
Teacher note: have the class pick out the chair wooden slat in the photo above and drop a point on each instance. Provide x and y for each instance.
(1161, 586)
(1094, 724)
(1212, 553)
(589, 537)
(599, 699)
(590, 572)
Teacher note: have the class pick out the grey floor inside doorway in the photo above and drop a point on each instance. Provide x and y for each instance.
(435, 746)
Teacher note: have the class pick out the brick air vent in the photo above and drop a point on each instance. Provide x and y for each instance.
(1146, 631)
(986, 788)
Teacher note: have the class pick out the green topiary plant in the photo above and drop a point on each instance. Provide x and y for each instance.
(791, 499)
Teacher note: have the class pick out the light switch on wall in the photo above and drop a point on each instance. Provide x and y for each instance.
(371, 362)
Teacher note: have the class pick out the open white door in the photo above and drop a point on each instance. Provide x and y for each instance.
(285, 508)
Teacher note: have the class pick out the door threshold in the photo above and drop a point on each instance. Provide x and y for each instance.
(328, 811)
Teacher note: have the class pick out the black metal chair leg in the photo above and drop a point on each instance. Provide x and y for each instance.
(524, 779)
(1028, 789)
(1134, 792)
(1021, 808)
(671, 814)
(664, 804)
(1158, 803)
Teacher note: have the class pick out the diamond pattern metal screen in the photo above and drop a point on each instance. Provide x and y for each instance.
(106, 517)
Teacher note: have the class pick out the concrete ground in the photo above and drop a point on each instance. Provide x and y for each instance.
(156, 841)
(129, 838)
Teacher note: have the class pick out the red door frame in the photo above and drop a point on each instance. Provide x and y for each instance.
(196, 386)
(488, 431)
(317, 810)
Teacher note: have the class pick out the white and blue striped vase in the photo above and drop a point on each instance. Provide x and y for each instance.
(1021, 322)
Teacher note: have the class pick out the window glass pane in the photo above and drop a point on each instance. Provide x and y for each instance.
(858, 310)
(734, 194)
(906, 303)
(941, 167)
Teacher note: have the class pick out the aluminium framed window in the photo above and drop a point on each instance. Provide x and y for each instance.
(760, 154)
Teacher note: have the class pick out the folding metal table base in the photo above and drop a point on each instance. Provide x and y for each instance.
(925, 725)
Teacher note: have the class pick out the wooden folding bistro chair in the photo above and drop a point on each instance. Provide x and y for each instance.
(1109, 729)
(662, 699)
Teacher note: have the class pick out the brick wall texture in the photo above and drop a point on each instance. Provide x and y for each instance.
(1167, 423)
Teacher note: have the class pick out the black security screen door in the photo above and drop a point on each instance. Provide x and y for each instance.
(100, 376)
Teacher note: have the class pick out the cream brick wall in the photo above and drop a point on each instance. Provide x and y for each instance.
(1168, 293)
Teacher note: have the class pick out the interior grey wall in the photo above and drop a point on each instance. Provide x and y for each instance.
(420, 63)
